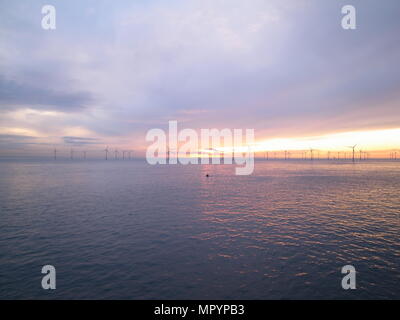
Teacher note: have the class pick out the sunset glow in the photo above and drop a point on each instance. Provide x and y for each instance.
(365, 140)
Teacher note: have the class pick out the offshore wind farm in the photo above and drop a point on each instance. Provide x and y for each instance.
(354, 156)
(295, 155)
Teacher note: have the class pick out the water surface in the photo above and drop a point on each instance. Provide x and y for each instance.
(128, 230)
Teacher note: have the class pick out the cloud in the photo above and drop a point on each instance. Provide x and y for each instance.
(15, 95)
(14, 137)
(283, 67)
(80, 141)
(11, 141)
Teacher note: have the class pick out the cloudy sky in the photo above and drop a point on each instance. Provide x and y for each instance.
(114, 69)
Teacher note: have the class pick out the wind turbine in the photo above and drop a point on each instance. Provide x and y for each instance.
(216, 152)
(353, 147)
(233, 154)
(106, 151)
(55, 154)
(312, 153)
(199, 154)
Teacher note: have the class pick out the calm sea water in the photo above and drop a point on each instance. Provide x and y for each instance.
(129, 230)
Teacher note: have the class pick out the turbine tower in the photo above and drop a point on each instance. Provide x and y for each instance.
(106, 151)
(55, 154)
(353, 147)
(312, 154)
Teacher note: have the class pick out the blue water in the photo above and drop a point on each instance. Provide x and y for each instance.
(128, 230)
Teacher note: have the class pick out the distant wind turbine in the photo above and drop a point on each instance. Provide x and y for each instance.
(312, 153)
(106, 151)
(353, 147)
(55, 154)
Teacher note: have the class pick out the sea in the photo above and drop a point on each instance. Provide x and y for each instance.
(129, 230)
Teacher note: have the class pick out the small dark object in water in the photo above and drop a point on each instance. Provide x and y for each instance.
(207, 175)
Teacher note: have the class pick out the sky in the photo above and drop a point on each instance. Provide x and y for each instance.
(112, 70)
